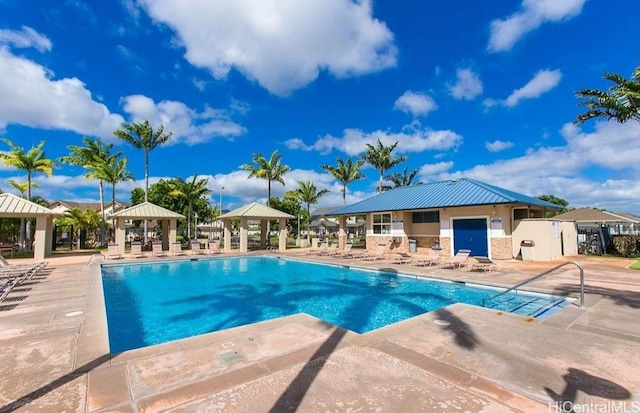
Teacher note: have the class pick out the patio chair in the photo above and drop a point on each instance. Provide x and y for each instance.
(429, 260)
(136, 249)
(346, 251)
(214, 247)
(457, 261)
(321, 249)
(330, 250)
(484, 264)
(195, 247)
(113, 252)
(176, 248)
(402, 258)
(380, 254)
(156, 249)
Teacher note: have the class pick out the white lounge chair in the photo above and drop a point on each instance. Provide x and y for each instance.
(427, 261)
(176, 248)
(113, 252)
(195, 247)
(380, 254)
(156, 249)
(484, 264)
(458, 261)
(214, 247)
(346, 251)
(136, 249)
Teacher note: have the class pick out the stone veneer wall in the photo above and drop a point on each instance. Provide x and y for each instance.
(501, 248)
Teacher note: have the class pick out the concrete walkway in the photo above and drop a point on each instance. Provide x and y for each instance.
(461, 358)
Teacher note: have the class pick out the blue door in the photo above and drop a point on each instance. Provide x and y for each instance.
(471, 234)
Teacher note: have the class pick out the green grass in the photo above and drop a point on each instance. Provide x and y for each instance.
(635, 265)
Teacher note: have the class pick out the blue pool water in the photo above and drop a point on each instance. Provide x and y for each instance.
(154, 303)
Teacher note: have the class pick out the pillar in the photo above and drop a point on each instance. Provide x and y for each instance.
(243, 234)
(227, 235)
(120, 233)
(282, 244)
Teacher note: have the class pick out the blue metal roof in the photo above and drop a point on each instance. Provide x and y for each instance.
(445, 194)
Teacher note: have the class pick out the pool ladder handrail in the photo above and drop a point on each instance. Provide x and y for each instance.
(542, 274)
(91, 259)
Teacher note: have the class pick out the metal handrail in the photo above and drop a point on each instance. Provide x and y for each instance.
(542, 274)
(91, 259)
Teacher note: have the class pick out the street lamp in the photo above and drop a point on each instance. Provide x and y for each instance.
(195, 225)
(298, 243)
(221, 225)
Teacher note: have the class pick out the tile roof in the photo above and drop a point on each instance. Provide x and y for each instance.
(453, 193)
(593, 215)
(256, 211)
(13, 206)
(146, 210)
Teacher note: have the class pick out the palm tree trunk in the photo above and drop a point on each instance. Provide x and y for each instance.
(146, 191)
(102, 221)
(308, 224)
(344, 194)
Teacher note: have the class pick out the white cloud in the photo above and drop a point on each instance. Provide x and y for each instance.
(42, 102)
(187, 125)
(282, 45)
(542, 82)
(506, 33)
(26, 38)
(560, 170)
(498, 145)
(415, 103)
(431, 169)
(414, 138)
(468, 85)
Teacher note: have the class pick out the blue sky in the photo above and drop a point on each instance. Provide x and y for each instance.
(484, 90)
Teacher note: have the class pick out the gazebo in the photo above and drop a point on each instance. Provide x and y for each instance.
(147, 210)
(12, 206)
(255, 212)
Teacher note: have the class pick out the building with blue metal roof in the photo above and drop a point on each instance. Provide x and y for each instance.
(451, 215)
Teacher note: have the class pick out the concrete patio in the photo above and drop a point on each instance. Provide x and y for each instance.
(55, 354)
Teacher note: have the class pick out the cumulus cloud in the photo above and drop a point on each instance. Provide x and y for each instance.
(26, 38)
(505, 33)
(187, 125)
(415, 103)
(558, 169)
(542, 82)
(413, 138)
(498, 145)
(467, 86)
(44, 102)
(281, 45)
(429, 170)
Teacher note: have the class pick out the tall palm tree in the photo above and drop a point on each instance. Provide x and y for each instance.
(403, 179)
(142, 136)
(380, 157)
(31, 161)
(22, 187)
(309, 194)
(271, 170)
(621, 102)
(190, 191)
(85, 156)
(346, 172)
(113, 171)
(80, 219)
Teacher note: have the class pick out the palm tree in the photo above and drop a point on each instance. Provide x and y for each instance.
(32, 161)
(403, 179)
(142, 136)
(308, 193)
(112, 170)
(190, 191)
(621, 102)
(85, 156)
(22, 187)
(346, 172)
(80, 219)
(380, 157)
(271, 170)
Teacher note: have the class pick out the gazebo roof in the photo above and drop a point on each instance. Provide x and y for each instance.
(13, 206)
(255, 210)
(146, 210)
(593, 215)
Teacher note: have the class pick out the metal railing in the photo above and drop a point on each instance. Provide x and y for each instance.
(91, 260)
(542, 274)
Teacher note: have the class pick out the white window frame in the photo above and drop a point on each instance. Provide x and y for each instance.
(383, 226)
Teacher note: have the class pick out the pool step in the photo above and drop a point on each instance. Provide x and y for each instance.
(533, 307)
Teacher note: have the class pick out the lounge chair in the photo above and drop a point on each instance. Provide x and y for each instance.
(214, 247)
(457, 261)
(330, 250)
(176, 248)
(156, 249)
(402, 258)
(380, 254)
(113, 252)
(346, 251)
(5, 265)
(136, 249)
(429, 260)
(195, 247)
(484, 264)
(321, 249)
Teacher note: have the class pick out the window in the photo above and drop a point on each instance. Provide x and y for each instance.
(426, 217)
(381, 223)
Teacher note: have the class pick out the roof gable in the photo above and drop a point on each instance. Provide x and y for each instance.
(13, 206)
(256, 211)
(146, 210)
(593, 215)
(444, 194)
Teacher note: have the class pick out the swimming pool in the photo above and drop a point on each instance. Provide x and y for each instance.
(152, 303)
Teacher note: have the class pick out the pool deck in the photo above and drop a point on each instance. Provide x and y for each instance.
(55, 354)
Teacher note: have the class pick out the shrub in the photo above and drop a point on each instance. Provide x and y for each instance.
(626, 245)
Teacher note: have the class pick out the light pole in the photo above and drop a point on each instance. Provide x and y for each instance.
(298, 243)
(221, 189)
(195, 225)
